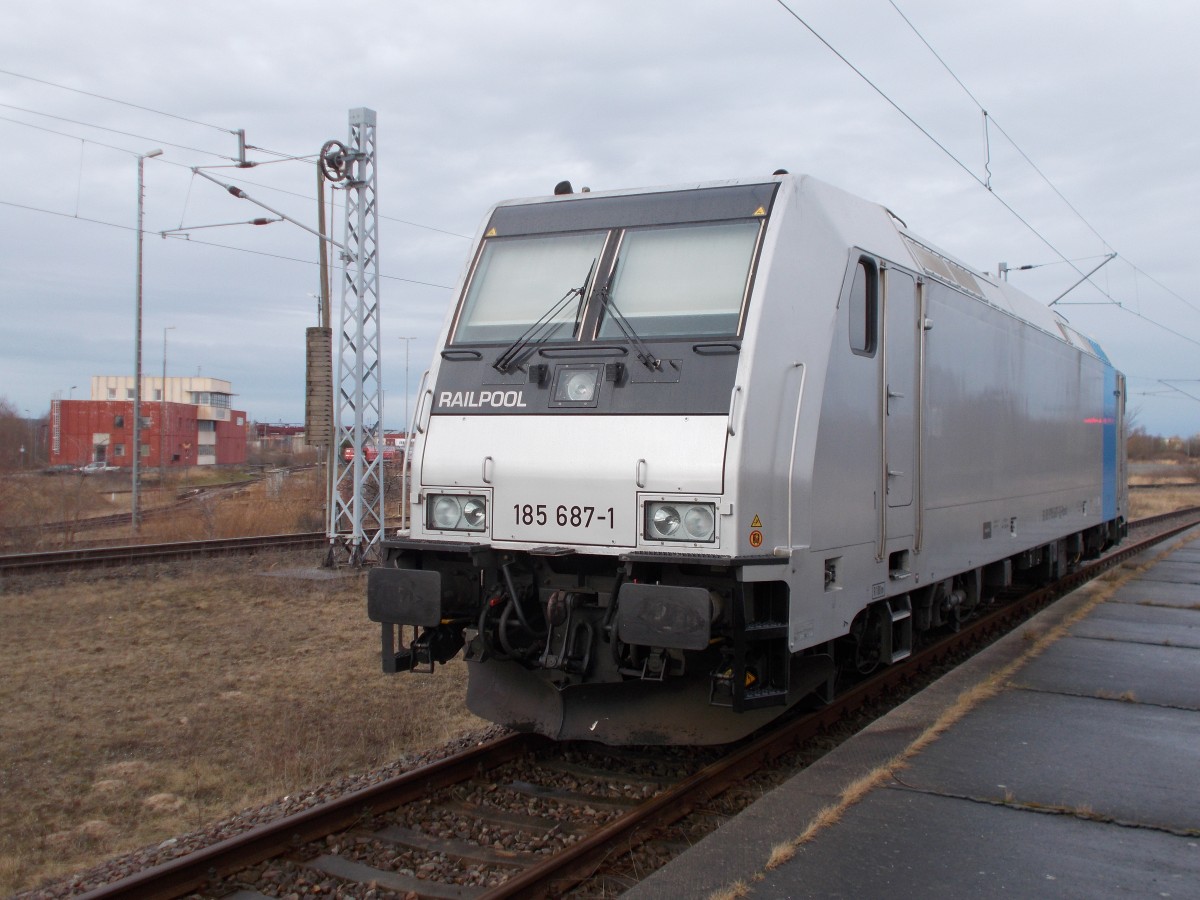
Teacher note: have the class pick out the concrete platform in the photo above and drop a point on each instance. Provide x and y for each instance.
(1064, 761)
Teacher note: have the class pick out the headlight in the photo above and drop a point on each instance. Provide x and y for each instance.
(664, 521)
(474, 512)
(576, 385)
(688, 522)
(699, 522)
(456, 512)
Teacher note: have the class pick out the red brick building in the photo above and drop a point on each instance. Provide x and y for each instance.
(192, 426)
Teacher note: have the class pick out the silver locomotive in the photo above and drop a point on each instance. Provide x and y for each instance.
(688, 455)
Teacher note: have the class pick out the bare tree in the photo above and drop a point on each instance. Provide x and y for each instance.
(14, 434)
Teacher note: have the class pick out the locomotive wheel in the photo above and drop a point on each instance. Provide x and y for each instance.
(867, 633)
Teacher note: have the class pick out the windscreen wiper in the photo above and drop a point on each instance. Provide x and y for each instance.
(643, 353)
(543, 329)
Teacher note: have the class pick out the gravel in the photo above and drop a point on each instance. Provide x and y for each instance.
(127, 864)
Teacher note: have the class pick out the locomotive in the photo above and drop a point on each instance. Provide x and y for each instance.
(689, 455)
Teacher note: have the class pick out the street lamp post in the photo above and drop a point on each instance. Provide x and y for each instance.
(135, 503)
(406, 341)
(404, 506)
(163, 443)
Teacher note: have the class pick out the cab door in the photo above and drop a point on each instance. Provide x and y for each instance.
(899, 399)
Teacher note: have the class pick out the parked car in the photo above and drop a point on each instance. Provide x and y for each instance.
(61, 469)
(98, 466)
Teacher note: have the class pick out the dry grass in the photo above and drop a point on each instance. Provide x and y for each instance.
(1162, 500)
(1174, 471)
(274, 504)
(735, 891)
(139, 706)
(29, 500)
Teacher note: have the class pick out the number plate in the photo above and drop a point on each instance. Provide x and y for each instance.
(553, 523)
(562, 515)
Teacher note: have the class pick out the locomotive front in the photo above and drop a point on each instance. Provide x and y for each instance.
(569, 525)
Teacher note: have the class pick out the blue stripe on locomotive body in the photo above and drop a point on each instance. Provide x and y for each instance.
(1111, 464)
(1110, 445)
(762, 419)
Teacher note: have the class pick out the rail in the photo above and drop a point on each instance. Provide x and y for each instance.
(133, 554)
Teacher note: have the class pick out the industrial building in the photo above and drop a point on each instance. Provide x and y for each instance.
(185, 422)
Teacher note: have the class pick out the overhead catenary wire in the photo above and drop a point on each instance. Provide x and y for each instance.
(921, 128)
(75, 90)
(308, 262)
(1169, 390)
(285, 158)
(130, 134)
(233, 131)
(68, 135)
(972, 175)
(991, 119)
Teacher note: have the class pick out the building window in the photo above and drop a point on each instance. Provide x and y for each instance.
(204, 398)
(206, 425)
(118, 421)
(112, 393)
(240, 421)
(145, 450)
(864, 308)
(128, 393)
(118, 450)
(158, 393)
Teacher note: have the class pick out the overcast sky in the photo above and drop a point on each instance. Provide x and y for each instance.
(479, 102)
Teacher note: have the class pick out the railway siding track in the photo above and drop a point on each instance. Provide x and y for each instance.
(522, 816)
(131, 554)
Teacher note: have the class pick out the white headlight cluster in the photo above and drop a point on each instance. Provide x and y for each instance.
(694, 523)
(456, 512)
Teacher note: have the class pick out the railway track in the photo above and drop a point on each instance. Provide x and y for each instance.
(133, 554)
(523, 816)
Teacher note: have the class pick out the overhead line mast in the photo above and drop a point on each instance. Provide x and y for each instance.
(345, 417)
(356, 492)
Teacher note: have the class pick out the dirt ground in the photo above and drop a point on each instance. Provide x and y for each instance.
(140, 705)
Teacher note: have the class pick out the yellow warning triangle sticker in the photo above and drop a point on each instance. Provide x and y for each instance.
(757, 523)
(491, 232)
(760, 212)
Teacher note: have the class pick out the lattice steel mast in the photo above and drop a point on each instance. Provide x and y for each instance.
(356, 501)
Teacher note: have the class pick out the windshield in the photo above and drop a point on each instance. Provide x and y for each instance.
(682, 280)
(518, 279)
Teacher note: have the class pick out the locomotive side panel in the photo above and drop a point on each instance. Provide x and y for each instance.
(1013, 447)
